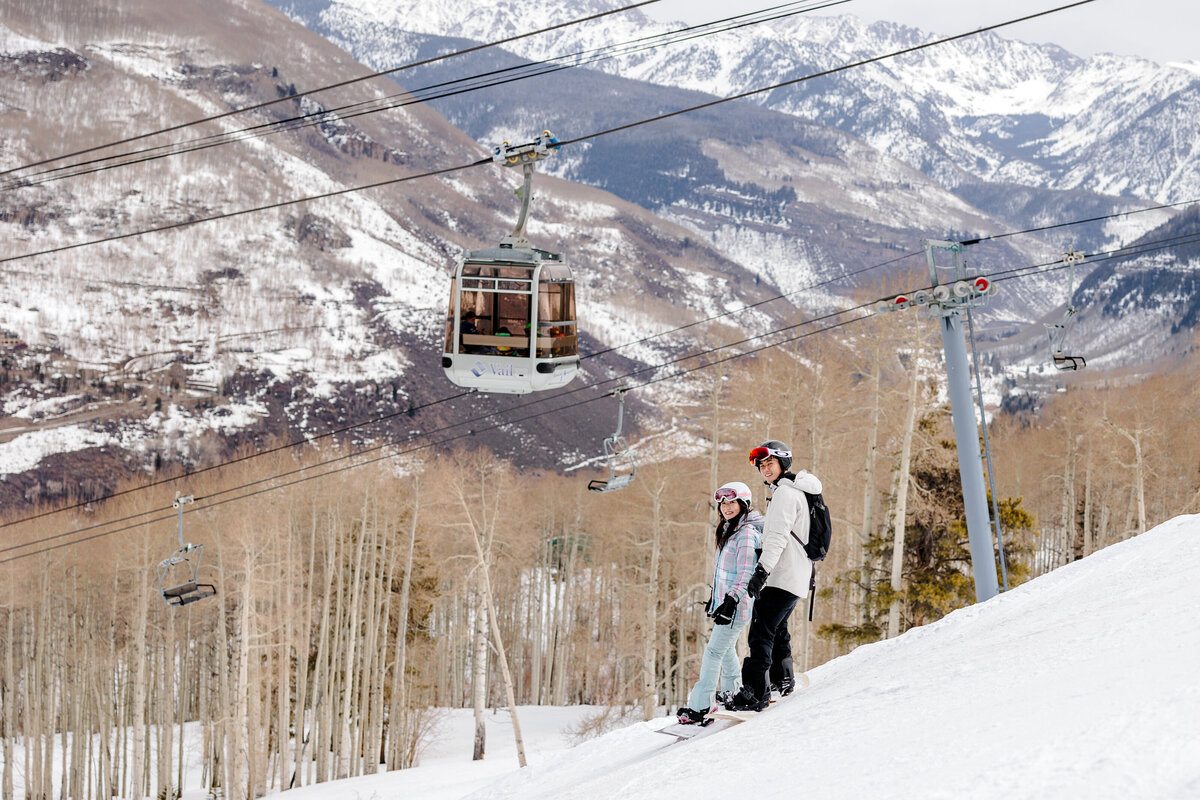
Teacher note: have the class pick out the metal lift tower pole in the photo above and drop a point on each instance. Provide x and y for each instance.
(966, 434)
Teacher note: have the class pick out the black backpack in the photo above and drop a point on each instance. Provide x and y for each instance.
(820, 528)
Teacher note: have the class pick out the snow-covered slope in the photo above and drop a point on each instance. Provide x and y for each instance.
(1079, 684)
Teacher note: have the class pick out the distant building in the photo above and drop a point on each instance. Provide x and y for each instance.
(9, 338)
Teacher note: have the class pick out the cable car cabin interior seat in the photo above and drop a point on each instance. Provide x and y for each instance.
(511, 325)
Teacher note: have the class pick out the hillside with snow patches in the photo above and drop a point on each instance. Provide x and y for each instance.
(1078, 684)
(184, 345)
(176, 346)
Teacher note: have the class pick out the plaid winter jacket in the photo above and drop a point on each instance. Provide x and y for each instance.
(735, 565)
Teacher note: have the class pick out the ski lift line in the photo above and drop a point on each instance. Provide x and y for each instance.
(1055, 226)
(471, 432)
(826, 73)
(468, 433)
(595, 135)
(749, 306)
(230, 462)
(1000, 276)
(413, 96)
(1008, 275)
(242, 212)
(385, 417)
(338, 85)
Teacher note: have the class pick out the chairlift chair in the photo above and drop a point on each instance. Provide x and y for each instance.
(618, 456)
(178, 581)
(1059, 332)
(511, 324)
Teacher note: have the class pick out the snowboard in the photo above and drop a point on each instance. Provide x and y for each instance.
(802, 682)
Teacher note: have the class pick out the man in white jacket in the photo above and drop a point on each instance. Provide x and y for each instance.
(782, 576)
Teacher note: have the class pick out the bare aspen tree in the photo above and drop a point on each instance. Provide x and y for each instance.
(9, 716)
(399, 731)
(1138, 468)
(655, 489)
(478, 489)
(902, 480)
(138, 774)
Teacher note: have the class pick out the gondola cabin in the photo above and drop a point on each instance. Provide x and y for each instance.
(511, 325)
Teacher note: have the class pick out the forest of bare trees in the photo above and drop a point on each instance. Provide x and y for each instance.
(351, 606)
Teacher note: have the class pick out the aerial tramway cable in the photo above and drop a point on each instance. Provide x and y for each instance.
(338, 85)
(1029, 271)
(563, 143)
(493, 78)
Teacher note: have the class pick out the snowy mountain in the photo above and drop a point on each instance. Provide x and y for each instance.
(1079, 683)
(309, 318)
(967, 138)
(305, 318)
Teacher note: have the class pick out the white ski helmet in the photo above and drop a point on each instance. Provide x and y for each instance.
(734, 490)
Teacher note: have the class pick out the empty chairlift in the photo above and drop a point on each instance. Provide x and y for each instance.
(618, 457)
(1060, 331)
(178, 580)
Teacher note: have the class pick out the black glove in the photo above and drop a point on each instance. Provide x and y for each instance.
(724, 613)
(757, 580)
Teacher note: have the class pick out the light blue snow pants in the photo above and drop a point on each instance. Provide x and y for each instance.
(719, 668)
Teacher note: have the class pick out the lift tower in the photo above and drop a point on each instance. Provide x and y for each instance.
(948, 302)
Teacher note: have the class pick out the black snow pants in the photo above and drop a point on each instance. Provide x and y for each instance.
(769, 641)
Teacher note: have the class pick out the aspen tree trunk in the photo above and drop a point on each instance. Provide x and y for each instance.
(499, 642)
(902, 480)
(1068, 500)
(538, 604)
(1089, 544)
(713, 457)
(7, 695)
(650, 609)
(374, 748)
(479, 672)
(398, 728)
(354, 601)
(223, 744)
(239, 737)
(1139, 473)
(562, 652)
(322, 681)
(283, 652)
(858, 556)
(303, 678)
(165, 708)
(138, 774)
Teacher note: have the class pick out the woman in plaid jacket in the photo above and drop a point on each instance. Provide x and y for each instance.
(737, 543)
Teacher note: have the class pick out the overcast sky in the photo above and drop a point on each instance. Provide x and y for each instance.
(1161, 30)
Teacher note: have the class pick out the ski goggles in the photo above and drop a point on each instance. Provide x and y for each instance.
(724, 494)
(759, 454)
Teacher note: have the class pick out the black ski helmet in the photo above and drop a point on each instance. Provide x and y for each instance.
(772, 447)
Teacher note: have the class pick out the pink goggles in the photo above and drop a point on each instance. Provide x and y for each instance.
(724, 494)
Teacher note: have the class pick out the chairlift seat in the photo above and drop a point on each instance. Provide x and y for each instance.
(1065, 362)
(188, 592)
(611, 485)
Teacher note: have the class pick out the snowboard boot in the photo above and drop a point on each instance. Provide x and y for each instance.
(723, 698)
(745, 700)
(689, 716)
(782, 689)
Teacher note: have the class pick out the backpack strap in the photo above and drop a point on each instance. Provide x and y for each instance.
(812, 591)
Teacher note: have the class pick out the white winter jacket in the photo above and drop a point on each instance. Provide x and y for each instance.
(782, 556)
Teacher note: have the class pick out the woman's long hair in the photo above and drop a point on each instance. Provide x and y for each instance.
(726, 527)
